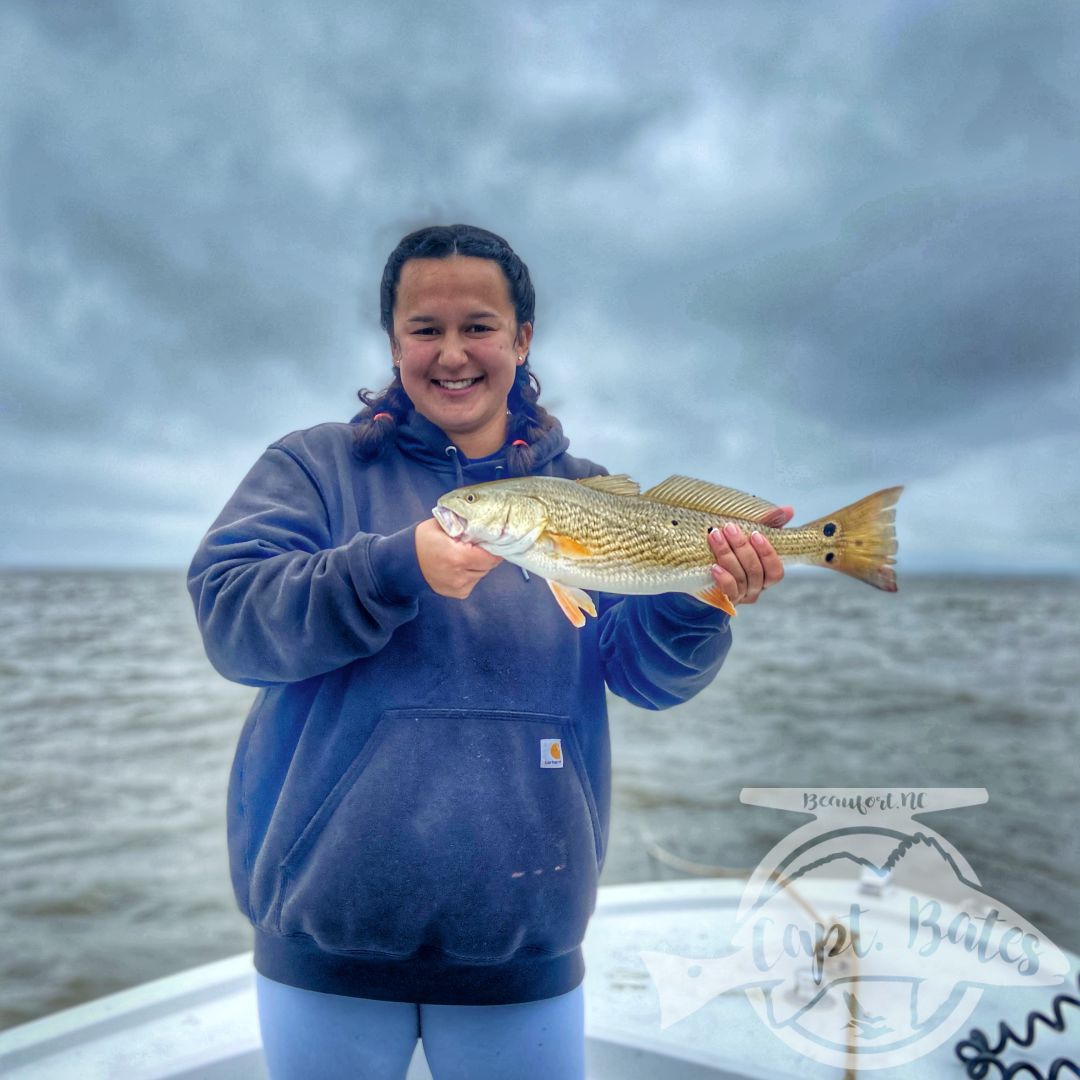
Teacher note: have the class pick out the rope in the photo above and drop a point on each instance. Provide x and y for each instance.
(686, 866)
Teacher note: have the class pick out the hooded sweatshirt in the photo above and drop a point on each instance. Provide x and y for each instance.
(418, 806)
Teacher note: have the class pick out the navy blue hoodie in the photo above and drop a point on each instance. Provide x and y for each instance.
(418, 808)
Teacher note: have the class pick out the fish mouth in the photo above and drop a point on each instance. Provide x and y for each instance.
(452, 524)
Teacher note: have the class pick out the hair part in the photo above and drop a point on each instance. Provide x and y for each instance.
(442, 241)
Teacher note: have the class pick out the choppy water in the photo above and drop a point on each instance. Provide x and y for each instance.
(117, 738)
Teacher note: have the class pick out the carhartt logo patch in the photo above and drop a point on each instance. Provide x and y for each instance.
(551, 753)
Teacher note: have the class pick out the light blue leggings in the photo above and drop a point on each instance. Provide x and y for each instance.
(312, 1036)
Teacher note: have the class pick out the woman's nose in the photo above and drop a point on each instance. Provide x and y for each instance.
(453, 349)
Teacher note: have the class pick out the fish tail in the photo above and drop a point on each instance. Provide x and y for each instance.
(860, 539)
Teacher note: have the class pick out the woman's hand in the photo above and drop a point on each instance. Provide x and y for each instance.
(450, 567)
(745, 565)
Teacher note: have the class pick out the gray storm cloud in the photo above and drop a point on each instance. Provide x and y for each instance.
(801, 245)
(926, 298)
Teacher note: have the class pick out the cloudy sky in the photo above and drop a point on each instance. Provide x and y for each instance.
(805, 249)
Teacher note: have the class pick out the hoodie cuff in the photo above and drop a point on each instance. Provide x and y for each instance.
(688, 609)
(395, 568)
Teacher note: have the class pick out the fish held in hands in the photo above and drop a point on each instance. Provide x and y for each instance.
(603, 533)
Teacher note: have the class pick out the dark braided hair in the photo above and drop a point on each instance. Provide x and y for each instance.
(376, 426)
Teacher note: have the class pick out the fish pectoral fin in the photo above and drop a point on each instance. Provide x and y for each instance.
(620, 484)
(567, 545)
(693, 494)
(714, 596)
(573, 602)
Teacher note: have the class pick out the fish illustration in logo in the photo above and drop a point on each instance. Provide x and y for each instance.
(907, 959)
(868, 1027)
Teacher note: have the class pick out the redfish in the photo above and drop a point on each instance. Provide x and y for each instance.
(603, 533)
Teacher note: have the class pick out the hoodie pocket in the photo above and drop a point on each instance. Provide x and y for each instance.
(474, 832)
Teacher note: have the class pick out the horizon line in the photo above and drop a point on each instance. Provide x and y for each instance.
(939, 570)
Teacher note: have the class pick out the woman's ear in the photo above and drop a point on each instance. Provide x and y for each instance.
(523, 341)
(395, 352)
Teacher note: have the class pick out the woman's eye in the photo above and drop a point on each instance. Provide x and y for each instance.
(480, 328)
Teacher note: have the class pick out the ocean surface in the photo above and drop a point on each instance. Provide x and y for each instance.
(117, 739)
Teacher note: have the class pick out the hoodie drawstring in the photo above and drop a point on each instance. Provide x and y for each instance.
(452, 453)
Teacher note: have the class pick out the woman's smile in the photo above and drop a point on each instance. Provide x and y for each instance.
(457, 384)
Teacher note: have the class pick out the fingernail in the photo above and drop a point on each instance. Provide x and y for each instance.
(757, 538)
(731, 530)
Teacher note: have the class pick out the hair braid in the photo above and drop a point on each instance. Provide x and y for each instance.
(371, 437)
(529, 420)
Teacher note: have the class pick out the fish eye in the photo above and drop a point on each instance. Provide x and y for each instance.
(470, 498)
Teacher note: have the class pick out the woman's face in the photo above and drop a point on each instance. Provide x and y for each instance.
(457, 344)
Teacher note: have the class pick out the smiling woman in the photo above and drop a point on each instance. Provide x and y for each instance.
(458, 345)
(419, 806)
(494, 277)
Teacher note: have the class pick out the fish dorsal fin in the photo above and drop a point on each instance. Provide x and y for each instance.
(693, 494)
(620, 484)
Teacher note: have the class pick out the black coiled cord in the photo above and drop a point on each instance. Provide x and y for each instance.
(978, 1055)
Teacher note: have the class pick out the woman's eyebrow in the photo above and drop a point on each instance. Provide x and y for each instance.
(469, 315)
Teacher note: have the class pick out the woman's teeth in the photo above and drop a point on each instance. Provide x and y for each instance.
(456, 384)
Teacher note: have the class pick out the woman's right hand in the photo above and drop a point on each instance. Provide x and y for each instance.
(451, 567)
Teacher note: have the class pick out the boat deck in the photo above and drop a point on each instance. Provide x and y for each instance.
(202, 1023)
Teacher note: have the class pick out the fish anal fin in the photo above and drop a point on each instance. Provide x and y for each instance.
(574, 602)
(567, 545)
(715, 597)
(620, 484)
(693, 494)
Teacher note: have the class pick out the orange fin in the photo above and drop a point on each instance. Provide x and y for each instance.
(573, 602)
(567, 545)
(714, 596)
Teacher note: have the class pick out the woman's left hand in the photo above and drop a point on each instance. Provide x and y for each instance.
(745, 565)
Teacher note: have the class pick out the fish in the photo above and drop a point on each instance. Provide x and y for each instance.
(603, 533)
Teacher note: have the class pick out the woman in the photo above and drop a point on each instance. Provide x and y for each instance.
(418, 809)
